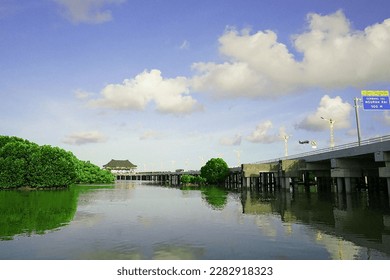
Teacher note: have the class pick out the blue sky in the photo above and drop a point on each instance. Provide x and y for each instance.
(170, 84)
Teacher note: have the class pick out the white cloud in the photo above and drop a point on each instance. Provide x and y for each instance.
(82, 95)
(329, 108)
(337, 56)
(231, 141)
(227, 79)
(87, 11)
(151, 134)
(263, 135)
(169, 95)
(333, 56)
(84, 137)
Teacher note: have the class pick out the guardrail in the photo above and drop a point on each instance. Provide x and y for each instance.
(335, 148)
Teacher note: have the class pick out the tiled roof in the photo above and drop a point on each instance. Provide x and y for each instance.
(119, 164)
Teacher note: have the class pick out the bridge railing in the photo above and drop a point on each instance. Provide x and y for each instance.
(330, 149)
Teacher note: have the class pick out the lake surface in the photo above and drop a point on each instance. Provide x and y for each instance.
(134, 220)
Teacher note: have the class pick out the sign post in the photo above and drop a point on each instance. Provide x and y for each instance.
(375, 100)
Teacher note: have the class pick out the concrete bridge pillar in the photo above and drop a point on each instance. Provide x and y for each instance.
(384, 172)
(340, 185)
(285, 183)
(348, 187)
(262, 179)
(388, 186)
(245, 182)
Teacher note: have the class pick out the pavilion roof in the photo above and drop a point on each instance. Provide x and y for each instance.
(119, 164)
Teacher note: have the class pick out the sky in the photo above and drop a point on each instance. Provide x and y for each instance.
(169, 84)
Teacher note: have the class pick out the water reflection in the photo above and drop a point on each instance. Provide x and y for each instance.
(347, 225)
(214, 196)
(35, 212)
(30, 212)
(136, 221)
(177, 252)
(159, 252)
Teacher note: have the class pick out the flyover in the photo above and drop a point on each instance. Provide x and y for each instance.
(350, 165)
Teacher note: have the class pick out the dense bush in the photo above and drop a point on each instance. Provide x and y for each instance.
(215, 171)
(15, 154)
(52, 166)
(89, 173)
(190, 179)
(26, 164)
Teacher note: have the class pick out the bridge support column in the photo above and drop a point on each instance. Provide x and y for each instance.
(285, 183)
(345, 174)
(349, 183)
(388, 186)
(245, 182)
(348, 187)
(340, 185)
(384, 172)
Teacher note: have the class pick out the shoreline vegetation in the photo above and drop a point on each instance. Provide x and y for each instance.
(214, 172)
(26, 165)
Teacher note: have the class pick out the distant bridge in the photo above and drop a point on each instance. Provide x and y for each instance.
(350, 166)
(173, 178)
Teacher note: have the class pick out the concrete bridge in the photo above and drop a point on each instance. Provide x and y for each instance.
(172, 178)
(350, 166)
(346, 167)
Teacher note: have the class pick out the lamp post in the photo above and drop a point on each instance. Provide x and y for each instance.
(238, 154)
(285, 137)
(356, 100)
(313, 143)
(331, 125)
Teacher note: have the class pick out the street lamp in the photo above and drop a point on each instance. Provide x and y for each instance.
(313, 143)
(285, 137)
(331, 125)
(356, 101)
(238, 154)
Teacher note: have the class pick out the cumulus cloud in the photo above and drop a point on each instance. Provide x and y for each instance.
(87, 11)
(231, 141)
(84, 137)
(329, 108)
(333, 56)
(169, 95)
(263, 134)
(227, 79)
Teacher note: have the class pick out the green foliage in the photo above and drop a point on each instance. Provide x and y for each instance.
(186, 179)
(89, 173)
(199, 180)
(52, 166)
(15, 154)
(215, 171)
(190, 179)
(12, 172)
(26, 164)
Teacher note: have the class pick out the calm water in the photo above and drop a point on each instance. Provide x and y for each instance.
(139, 221)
